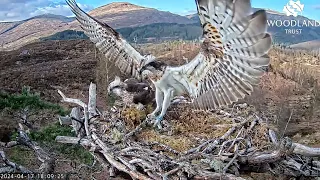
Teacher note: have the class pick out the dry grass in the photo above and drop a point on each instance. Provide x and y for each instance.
(177, 142)
(188, 128)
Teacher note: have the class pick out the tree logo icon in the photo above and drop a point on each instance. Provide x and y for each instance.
(293, 8)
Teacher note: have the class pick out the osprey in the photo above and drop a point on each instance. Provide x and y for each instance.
(132, 91)
(233, 52)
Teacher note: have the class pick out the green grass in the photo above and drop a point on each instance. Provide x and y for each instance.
(49, 133)
(26, 99)
(20, 155)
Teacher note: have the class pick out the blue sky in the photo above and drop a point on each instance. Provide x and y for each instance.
(12, 10)
(311, 7)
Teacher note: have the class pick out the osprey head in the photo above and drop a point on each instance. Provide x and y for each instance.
(151, 67)
(117, 86)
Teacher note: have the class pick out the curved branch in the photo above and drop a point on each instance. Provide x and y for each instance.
(305, 150)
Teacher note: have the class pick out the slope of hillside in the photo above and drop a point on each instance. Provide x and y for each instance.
(7, 26)
(17, 34)
(143, 34)
(309, 45)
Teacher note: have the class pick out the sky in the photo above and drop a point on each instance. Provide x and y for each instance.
(14, 10)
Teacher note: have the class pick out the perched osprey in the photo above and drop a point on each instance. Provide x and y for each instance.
(234, 49)
(132, 91)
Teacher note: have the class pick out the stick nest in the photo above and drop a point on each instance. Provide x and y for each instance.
(192, 144)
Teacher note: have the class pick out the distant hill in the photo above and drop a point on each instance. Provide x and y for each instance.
(17, 34)
(142, 34)
(53, 17)
(134, 22)
(119, 15)
(309, 45)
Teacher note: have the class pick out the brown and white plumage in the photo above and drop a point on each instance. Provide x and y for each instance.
(234, 48)
(110, 42)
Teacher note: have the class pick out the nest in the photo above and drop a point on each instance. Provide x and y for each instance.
(221, 144)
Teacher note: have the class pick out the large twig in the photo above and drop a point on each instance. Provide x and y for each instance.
(73, 140)
(217, 141)
(269, 157)
(305, 150)
(123, 168)
(92, 105)
(8, 144)
(85, 109)
(70, 100)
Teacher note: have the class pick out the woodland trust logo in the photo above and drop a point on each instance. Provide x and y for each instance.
(293, 8)
(293, 26)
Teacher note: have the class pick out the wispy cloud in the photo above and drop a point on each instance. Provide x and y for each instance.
(15, 10)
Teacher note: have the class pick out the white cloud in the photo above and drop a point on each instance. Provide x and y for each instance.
(16, 10)
(186, 12)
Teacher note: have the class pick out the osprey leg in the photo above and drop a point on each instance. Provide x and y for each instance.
(166, 103)
(159, 102)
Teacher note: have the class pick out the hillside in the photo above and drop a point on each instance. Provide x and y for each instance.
(309, 45)
(143, 34)
(16, 34)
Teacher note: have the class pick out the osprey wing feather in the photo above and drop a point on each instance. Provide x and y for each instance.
(109, 42)
(235, 46)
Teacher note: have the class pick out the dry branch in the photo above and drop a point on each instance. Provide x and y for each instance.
(83, 105)
(305, 150)
(123, 168)
(92, 101)
(8, 144)
(73, 140)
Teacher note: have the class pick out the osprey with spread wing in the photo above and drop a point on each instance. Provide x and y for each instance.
(234, 49)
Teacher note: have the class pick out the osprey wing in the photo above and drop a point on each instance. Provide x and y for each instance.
(109, 42)
(235, 46)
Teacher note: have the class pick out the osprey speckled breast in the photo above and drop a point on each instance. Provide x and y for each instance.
(234, 49)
